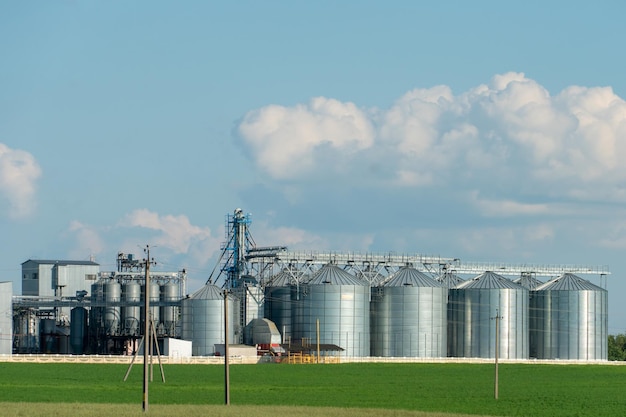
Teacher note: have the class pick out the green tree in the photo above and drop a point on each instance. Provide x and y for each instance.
(617, 347)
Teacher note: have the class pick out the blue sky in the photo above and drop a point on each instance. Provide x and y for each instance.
(487, 131)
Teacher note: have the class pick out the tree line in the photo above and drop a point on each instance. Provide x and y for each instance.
(617, 347)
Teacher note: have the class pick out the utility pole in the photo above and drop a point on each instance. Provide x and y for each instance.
(147, 335)
(497, 318)
(226, 352)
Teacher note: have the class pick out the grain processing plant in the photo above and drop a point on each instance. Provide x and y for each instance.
(352, 304)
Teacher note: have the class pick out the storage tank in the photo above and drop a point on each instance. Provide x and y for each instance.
(408, 316)
(278, 302)
(569, 320)
(131, 293)
(169, 314)
(203, 319)
(472, 308)
(78, 330)
(112, 291)
(49, 339)
(341, 303)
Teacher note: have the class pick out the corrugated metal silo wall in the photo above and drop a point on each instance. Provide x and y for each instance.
(343, 312)
(569, 324)
(203, 324)
(471, 327)
(409, 321)
(131, 316)
(278, 309)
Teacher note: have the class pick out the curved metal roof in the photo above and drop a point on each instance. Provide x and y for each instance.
(449, 279)
(411, 277)
(489, 280)
(530, 283)
(333, 275)
(282, 279)
(208, 292)
(569, 282)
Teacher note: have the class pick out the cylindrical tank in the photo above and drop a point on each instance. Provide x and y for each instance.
(476, 307)
(169, 314)
(131, 293)
(155, 293)
(112, 312)
(340, 302)
(49, 343)
(408, 314)
(203, 320)
(278, 303)
(569, 320)
(78, 330)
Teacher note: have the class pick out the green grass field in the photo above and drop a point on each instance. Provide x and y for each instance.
(525, 389)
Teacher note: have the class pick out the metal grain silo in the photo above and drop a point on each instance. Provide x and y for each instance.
(203, 319)
(131, 316)
(277, 306)
(169, 314)
(569, 320)
(472, 308)
(408, 314)
(112, 292)
(341, 303)
(78, 330)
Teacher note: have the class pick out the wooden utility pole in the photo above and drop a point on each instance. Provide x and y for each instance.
(147, 334)
(496, 382)
(226, 352)
(317, 328)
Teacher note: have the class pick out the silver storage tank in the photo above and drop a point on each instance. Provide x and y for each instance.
(278, 302)
(112, 311)
(341, 303)
(131, 293)
(155, 293)
(569, 320)
(203, 319)
(78, 330)
(472, 308)
(408, 314)
(169, 314)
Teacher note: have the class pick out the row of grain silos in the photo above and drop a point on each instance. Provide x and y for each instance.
(412, 315)
(118, 311)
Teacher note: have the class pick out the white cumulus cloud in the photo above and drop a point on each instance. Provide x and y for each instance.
(175, 233)
(510, 132)
(286, 142)
(19, 172)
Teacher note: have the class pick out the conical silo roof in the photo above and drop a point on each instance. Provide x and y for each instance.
(449, 279)
(489, 280)
(411, 277)
(569, 282)
(333, 275)
(529, 282)
(208, 292)
(282, 279)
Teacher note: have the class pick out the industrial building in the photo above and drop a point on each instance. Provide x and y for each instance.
(382, 305)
